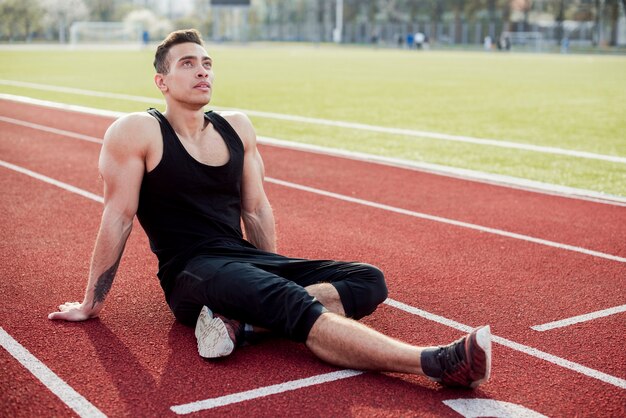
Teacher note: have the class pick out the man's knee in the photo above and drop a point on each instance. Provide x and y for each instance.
(362, 290)
(377, 285)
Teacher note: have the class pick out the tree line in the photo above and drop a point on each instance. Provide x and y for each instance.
(27, 20)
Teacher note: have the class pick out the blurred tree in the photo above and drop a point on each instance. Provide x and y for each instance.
(458, 9)
(156, 26)
(19, 19)
(122, 10)
(190, 21)
(613, 7)
(101, 10)
(559, 17)
(62, 13)
(524, 7)
(314, 20)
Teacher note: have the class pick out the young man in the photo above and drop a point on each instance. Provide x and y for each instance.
(191, 177)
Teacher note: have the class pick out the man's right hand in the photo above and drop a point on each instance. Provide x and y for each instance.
(73, 311)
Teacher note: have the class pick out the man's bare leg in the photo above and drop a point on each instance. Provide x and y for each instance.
(328, 296)
(344, 342)
(218, 336)
(348, 343)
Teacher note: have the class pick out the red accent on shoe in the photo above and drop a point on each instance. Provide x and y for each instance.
(474, 366)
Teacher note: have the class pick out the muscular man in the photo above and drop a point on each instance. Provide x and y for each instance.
(191, 177)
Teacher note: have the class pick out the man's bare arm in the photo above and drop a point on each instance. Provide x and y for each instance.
(122, 164)
(257, 214)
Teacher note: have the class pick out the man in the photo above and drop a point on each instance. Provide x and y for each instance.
(191, 178)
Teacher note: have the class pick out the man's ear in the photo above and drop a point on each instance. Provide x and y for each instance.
(159, 80)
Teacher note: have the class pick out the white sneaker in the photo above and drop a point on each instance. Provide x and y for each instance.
(212, 335)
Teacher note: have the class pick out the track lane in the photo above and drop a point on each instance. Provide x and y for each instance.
(119, 338)
(56, 118)
(65, 159)
(591, 225)
(428, 271)
(126, 370)
(126, 361)
(22, 395)
(463, 275)
(576, 222)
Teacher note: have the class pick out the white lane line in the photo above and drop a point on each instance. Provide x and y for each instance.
(429, 316)
(399, 305)
(82, 92)
(443, 137)
(342, 124)
(566, 364)
(447, 220)
(212, 403)
(44, 128)
(58, 386)
(363, 202)
(263, 391)
(454, 172)
(440, 170)
(52, 181)
(415, 311)
(476, 407)
(62, 106)
(579, 318)
(360, 202)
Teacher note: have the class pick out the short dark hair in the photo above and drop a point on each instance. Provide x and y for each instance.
(161, 64)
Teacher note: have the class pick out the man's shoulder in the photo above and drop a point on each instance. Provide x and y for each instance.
(234, 117)
(133, 133)
(241, 123)
(136, 120)
(133, 124)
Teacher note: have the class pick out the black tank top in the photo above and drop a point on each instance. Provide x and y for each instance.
(185, 205)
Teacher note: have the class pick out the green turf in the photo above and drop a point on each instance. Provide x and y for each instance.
(575, 102)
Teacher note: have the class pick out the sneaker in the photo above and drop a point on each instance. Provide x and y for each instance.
(216, 335)
(467, 362)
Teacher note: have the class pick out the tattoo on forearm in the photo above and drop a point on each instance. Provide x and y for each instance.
(104, 283)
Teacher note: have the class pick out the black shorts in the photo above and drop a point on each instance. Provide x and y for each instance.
(267, 290)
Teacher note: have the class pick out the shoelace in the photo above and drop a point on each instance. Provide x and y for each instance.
(449, 358)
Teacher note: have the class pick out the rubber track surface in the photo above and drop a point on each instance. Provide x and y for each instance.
(135, 360)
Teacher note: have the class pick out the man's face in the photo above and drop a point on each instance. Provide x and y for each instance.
(190, 76)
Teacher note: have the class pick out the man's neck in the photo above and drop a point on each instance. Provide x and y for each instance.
(188, 122)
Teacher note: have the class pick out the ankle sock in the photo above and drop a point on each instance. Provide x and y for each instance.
(430, 363)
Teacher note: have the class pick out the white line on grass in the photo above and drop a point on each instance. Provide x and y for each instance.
(82, 92)
(263, 391)
(444, 137)
(621, 383)
(454, 172)
(440, 170)
(579, 318)
(342, 124)
(62, 106)
(58, 386)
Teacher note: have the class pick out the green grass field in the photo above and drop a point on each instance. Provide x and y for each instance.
(574, 102)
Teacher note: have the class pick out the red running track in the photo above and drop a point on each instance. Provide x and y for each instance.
(136, 360)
